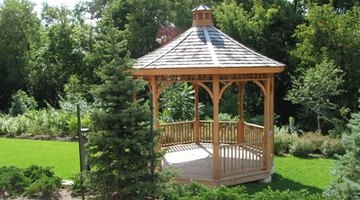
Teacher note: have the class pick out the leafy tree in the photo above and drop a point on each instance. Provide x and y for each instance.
(266, 26)
(19, 34)
(120, 145)
(59, 56)
(333, 35)
(347, 184)
(144, 19)
(315, 88)
(177, 103)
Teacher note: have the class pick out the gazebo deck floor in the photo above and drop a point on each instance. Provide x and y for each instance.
(195, 164)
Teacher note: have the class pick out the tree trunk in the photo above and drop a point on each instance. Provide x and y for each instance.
(318, 123)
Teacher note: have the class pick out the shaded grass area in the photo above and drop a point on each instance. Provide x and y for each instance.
(63, 157)
(312, 174)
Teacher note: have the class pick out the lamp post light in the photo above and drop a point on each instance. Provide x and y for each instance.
(82, 133)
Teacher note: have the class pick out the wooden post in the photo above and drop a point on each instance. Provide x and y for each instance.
(197, 115)
(155, 104)
(154, 91)
(240, 128)
(271, 121)
(216, 138)
(267, 129)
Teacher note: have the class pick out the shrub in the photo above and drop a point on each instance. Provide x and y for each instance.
(12, 181)
(227, 117)
(46, 186)
(49, 122)
(283, 142)
(200, 192)
(332, 147)
(301, 148)
(315, 139)
(269, 194)
(28, 181)
(87, 186)
(21, 103)
(73, 126)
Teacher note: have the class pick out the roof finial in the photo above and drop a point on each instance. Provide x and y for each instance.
(202, 15)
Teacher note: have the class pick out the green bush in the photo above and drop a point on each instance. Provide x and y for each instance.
(332, 147)
(227, 117)
(269, 194)
(87, 186)
(200, 192)
(283, 142)
(49, 122)
(12, 182)
(45, 186)
(301, 148)
(73, 126)
(315, 139)
(21, 103)
(29, 181)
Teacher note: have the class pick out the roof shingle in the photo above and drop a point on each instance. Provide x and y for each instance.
(204, 46)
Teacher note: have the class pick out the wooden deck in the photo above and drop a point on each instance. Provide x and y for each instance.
(195, 163)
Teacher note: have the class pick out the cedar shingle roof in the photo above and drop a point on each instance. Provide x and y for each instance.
(204, 46)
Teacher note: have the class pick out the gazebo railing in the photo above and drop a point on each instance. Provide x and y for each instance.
(177, 133)
(239, 158)
(228, 132)
(253, 132)
(183, 132)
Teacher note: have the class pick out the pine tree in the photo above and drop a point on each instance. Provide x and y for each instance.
(120, 145)
(347, 184)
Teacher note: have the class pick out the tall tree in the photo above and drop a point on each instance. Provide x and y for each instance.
(144, 20)
(59, 56)
(120, 146)
(315, 89)
(335, 36)
(19, 35)
(266, 26)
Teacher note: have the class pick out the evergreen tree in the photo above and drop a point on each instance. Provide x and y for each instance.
(347, 184)
(121, 145)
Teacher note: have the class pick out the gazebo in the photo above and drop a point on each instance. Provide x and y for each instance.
(213, 152)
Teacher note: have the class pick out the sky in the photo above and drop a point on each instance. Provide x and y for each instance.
(69, 3)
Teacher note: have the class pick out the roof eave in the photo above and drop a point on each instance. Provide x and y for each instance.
(208, 70)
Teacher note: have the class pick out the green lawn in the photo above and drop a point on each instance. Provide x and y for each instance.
(313, 174)
(293, 173)
(62, 156)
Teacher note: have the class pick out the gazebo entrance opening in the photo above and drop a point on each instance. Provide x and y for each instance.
(189, 145)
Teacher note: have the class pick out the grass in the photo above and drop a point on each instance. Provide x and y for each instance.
(312, 174)
(62, 156)
(293, 173)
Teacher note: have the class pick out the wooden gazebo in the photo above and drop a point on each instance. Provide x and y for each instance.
(213, 152)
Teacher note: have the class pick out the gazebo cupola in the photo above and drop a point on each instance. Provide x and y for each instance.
(202, 16)
(218, 152)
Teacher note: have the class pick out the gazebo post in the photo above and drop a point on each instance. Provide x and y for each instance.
(155, 103)
(267, 124)
(271, 122)
(197, 118)
(240, 128)
(154, 91)
(215, 136)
